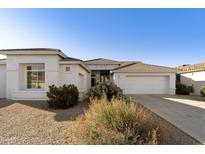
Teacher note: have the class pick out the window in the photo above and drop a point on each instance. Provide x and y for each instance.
(67, 69)
(81, 82)
(35, 76)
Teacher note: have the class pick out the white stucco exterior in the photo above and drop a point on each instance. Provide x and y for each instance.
(146, 83)
(77, 76)
(195, 79)
(196, 76)
(19, 82)
(2, 80)
(16, 79)
(13, 75)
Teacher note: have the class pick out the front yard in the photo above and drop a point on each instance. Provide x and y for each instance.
(32, 122)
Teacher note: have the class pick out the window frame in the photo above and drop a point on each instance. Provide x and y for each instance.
(35, 71)
(65, 69)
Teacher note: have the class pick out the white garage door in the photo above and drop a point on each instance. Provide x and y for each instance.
(146, 85)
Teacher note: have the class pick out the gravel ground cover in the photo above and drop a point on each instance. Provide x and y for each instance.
(32, 122)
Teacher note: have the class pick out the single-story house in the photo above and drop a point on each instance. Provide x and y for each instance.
(192, 75)
(26, 74)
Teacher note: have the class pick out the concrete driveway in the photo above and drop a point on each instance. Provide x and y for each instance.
(185, 112)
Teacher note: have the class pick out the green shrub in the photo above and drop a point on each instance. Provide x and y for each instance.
(110, 89)
(63, 96)
(182, 89)
(202, 91)
(116, 122)
(190, 89)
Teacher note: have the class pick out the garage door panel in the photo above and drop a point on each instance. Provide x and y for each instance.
(146, 85)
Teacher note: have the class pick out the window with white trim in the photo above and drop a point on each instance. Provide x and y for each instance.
(35, 76)
(67, 69)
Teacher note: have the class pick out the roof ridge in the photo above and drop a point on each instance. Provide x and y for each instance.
(92, 59)
(142, 64)
(143, 67)
(101, 59)
(124, 66)
(130, 61)
(158, 66)
(20, 49)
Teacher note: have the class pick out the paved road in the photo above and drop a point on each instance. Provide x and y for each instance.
(185, 112)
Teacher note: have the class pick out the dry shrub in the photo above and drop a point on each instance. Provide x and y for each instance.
(202, 90)
(182, 89)
(110, 89)
(116, 122)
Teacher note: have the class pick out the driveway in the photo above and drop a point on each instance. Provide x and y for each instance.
(185, 112)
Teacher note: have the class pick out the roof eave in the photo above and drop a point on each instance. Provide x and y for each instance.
(37, 51)
(190, 71)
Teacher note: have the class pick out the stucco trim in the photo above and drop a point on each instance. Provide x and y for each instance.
(34, 51)
(75, 63)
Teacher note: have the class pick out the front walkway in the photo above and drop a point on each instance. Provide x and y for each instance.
(185, 112)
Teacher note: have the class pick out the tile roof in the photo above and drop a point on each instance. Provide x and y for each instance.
(71, 59)
(139, 67)
(101, 61)
(125, 63)
(191, 68)
(32, 49)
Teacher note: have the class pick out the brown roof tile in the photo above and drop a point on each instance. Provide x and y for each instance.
(71, 59)
(101, 61)
(140, 67)
(191, 68)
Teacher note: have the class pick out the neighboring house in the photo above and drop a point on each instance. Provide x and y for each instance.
(192, 75)
(27, 73)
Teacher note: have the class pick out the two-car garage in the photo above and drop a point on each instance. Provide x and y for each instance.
(135, 84)
(140, 78)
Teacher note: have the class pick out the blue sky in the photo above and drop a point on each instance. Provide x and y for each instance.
(167, 37)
